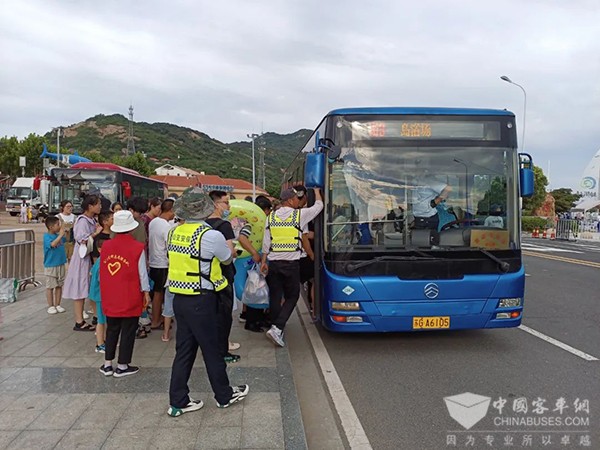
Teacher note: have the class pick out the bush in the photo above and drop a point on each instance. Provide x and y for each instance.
(528, 223)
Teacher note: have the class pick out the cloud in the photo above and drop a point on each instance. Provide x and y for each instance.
(230, 68)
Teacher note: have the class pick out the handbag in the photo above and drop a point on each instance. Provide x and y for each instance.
(256, 290)
(8, 290)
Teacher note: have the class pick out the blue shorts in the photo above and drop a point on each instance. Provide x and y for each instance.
(168, 304)
(100, 313)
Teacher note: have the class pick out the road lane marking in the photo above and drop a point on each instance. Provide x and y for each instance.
(353, 429)
(558, 343)
(563, 259)
(540, 248)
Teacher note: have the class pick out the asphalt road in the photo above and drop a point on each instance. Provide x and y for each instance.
(397, 382)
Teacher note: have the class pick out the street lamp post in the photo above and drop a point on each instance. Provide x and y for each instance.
(253, 136)
(508, 80)
(58, 131)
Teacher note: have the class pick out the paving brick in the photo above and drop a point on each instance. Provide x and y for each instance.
(171, 438)
(63, 412)
(39, 440)
(218, 437)
(83, 439)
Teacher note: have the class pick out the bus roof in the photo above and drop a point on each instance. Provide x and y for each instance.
(112, 167)
(420, 110)
(104, 166)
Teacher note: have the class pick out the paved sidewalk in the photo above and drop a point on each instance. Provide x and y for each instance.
(52, 395)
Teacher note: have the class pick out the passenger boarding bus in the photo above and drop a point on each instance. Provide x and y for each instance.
(116, 183)
(421, 225)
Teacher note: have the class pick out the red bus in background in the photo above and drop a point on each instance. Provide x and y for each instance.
(116, 183)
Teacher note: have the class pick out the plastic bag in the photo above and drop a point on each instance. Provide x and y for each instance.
(8, 290)
(256, 291)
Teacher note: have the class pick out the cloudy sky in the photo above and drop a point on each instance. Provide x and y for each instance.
(233, 67)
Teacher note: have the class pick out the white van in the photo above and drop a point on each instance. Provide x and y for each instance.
(22, 189)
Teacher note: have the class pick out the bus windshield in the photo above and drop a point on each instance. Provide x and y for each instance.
(71, 182)
(389, 171)
(20, 193)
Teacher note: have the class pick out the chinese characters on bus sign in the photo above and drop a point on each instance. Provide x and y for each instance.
(381, 129)
(415, 129)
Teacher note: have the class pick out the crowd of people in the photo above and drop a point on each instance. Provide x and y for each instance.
(165, 262)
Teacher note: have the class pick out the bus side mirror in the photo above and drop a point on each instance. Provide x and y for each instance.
(526, 178)
(314, 170)
(126, 189)
(526, 175)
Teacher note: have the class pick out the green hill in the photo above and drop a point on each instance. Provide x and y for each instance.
(102, 137)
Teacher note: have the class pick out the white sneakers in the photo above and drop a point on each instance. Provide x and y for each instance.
(55, 309)
(193, 405)
(276, 335)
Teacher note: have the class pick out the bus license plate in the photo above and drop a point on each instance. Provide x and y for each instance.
(431, 323)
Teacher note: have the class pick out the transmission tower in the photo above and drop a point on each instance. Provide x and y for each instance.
(261, 162)
(130, 140)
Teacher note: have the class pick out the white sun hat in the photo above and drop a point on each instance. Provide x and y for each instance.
(123, 222)
(86, 248)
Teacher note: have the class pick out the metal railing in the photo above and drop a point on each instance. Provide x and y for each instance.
(17, 256)
(573, 229)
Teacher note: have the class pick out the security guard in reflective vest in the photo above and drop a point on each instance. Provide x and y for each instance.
(196, 253)
(282, 249)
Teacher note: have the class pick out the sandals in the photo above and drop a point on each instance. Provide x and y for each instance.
(165, 339)
(161, 326)
(84, 326)
(141, 334)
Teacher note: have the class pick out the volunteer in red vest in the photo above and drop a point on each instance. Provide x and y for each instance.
(125, 292)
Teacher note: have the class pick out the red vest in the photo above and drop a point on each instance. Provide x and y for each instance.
(120, 286)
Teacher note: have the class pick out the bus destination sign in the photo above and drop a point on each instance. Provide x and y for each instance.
(423, 129)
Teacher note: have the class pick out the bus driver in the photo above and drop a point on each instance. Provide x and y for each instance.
(428, 195)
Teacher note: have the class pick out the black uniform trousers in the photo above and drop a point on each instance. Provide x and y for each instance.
(126, 328)
(283, 279)
(225, 318)
(196, 317)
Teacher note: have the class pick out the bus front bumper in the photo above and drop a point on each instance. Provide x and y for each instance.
(451, 316)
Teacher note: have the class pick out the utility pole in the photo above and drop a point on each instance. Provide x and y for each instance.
(58, 131)
(130, 140)
(261, 162)
(253, 136)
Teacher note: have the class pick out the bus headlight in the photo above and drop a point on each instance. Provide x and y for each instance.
(345, 306)
(509, 302)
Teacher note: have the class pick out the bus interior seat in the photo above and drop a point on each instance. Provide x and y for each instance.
(394, 239)
(422, 237)
(455, 237)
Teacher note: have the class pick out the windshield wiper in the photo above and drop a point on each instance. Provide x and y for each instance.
(502, 265)
(350, 267)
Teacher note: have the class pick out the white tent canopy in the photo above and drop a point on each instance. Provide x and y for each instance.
(587, 204)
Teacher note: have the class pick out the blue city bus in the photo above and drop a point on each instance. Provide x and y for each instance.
(380, 266)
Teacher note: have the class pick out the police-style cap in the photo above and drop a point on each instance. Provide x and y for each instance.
(288, 193)
(193, 204)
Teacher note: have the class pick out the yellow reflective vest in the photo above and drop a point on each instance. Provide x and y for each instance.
(286, 235)
(185, 276)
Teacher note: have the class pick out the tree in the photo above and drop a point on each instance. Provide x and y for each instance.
(9, 160)
(539, 191)
(564, 199)
(31, 147)
(11, 149)
(137, 162)
(95, 156)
